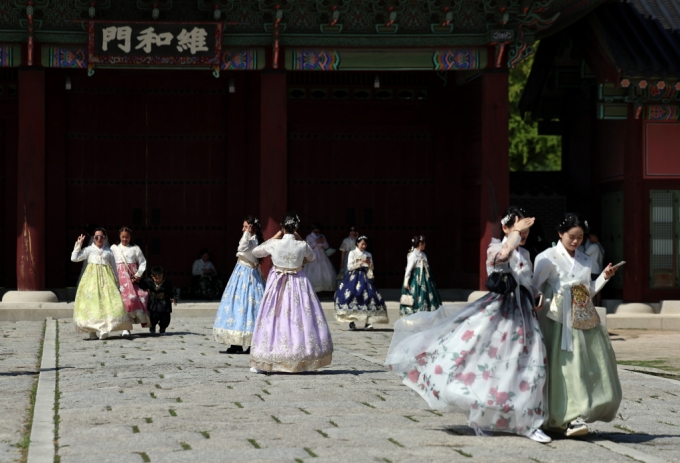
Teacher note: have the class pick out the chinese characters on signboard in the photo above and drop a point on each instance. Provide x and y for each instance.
(154, 44)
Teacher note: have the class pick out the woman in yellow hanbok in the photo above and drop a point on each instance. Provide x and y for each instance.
(99, 307)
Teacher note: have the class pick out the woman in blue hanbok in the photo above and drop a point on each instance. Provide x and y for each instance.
(235, 320)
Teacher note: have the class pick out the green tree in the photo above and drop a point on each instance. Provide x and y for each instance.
(529, 151)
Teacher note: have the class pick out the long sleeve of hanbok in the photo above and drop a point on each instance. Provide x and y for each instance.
(263, 250)
(543, 270)
(495, 257)
(597, 285)
(78, 254)
(309, 254)
(141, 262)
(197, 269)
(245, 243)
(410, 265)
(111, 261)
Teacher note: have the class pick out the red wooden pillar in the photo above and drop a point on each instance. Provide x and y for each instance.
(273, 153)
(633, 232)
(31, 181)
(495, 160)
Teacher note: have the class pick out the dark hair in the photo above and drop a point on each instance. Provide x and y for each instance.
(103, 230)
(125, 228)
(362, 238)
(512, 214)
(349, 228)
(416, 240)
(290, 222)
(255, 222)
(203, 251)
(317, 226)
(157, 270)
(573, 220)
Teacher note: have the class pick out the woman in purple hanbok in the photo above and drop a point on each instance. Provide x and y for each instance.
(291, 334)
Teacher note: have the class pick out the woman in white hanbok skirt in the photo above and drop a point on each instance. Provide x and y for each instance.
(320, 271)
(488, 359)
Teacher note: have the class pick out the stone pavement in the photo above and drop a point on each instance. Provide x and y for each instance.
(175, 398)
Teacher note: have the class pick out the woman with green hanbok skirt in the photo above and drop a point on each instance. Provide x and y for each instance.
(583, 383)
(418, 281)
(99, 307)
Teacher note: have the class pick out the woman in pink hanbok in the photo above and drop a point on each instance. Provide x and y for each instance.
(291, 334)
(131, 264)
(487, 360)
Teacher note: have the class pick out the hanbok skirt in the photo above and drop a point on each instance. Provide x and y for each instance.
(583, 383)
(486, 361)
(424, 292)
(320, 272)
(357, 300)
(291, 334)
(99, 306)
(134, 298)
(235, 320)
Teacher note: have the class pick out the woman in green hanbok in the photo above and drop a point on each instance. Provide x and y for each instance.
(99, 307)
(418, 282)
(583, 383)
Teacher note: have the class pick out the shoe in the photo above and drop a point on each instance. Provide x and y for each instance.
(539, 436)
(256, 370)
(234, 350)
(162, 333)
(368, 327)
(152, 330)
(577, 428)
(93, 335)
(246, 352)
(481, 432)
(102, 336)
(352, 326)
(126, 334)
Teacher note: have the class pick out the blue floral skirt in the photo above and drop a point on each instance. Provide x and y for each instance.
(357, 300)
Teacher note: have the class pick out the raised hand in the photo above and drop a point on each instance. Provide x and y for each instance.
(522, 225)
(80, 240)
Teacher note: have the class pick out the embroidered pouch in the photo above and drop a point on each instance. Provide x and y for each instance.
(583, 313)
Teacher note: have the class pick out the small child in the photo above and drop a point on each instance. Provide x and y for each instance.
(162, 295)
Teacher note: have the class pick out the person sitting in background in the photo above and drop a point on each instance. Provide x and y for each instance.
(205, 284)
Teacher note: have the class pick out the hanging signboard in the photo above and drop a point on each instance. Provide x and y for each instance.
(131, 43)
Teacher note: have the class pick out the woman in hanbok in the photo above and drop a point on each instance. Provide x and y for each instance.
(418, 281)
(583, 383)
(488, 359)
(348, 245)
(320, 271)
(99, 308)
(130, 267)
(235, 320)
(206, 284)
(357, 299)
(291, 334)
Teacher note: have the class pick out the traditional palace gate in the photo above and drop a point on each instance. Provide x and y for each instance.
(391, 117)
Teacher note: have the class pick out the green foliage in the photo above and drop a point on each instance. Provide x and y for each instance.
(529, 150)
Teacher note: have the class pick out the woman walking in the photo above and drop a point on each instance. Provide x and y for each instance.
(99, 308)
(291, 334)
(583, 384)
(235, 320)
(419, 287)
(130, 267)
(320, 270)
(357, 299)
(487, 360)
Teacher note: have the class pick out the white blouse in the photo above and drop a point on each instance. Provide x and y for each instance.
(287, 253)
(348, 244)
(94, 255)
(356, 256)
(414, 259)
(129, 255)
(311, 241)
(246, 245)
(199, 266)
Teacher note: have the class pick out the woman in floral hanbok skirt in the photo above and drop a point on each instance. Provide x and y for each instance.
(487, 360)
(130, 266)
(357, 299)
(235, 319)
(418, 282)
(291, 334)
(320, 271)
(99, 308)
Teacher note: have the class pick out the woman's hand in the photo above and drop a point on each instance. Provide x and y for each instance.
(407, 288)
(609, 271)
(80, 239)
(135, 279)
(278, 235)
(174, 301)
(541, 304)
(522, 225)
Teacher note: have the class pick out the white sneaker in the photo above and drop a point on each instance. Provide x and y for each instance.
(102, 336)
(481, 432)
(540, 436)
(368, 327)
(126, 334)
(576, 428)
(255, 370)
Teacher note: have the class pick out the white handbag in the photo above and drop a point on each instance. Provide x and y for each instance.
(407, 300)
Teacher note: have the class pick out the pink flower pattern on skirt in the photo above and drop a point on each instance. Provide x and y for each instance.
(134, 298)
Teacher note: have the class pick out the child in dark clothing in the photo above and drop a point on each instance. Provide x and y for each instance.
(162, 295)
